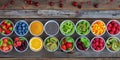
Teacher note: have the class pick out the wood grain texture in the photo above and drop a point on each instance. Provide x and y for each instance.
(44, 5)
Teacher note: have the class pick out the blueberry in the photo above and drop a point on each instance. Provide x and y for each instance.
(24, 28)
(19, 28)
(23, 24)
(19, 31)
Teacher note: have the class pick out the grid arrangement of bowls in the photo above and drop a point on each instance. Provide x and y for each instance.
(65, 35)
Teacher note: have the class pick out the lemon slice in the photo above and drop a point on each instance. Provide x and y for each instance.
(36, 44)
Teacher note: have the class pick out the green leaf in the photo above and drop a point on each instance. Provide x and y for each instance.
(10, 42)
(69, 39)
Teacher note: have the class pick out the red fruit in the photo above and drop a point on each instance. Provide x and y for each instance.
(109, 25)
(97, 49)
(113, 22)
(69, 45)
(61, 5)
(88, 2)
(113, 29)
(37, 4)
(93, 45)
(5, 40)
(19, 43)
(15, 45)
(30, 2)
(12, 2)
(6, 48)
(96, 44)
(116, 31)
(51, 3)
(75, 3)
(109, 28)
(96, 5)
(115, 25)
(101, 42)
(111, 32)
(79, 6)
(101, 45)
(16, 39)
(119, 27)
(0, 30)
(96, 39)
(7, 31)
(10, 47)
(63, 47)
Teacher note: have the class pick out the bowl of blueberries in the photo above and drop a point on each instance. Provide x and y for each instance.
(21, 28)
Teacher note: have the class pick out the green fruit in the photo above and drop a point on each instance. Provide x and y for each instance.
(10, 42)
(115, 47)
(1, 42)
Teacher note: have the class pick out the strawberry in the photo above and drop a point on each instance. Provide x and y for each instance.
(69, 45)
(63, 47)
(19, 43)
(7, 31)
(16, 39)
(5, 40)
(15, 45)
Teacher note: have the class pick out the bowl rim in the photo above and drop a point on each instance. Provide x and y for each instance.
(11, 41)
(25, 48)
(38, 22)
(15, 27)
(46, 40)
(63, 23)
(73, 44)
(40, 48)
(103, 46)
(78, 23)
(108, 48)
(12, 25)
(95, 22)
(86, 48)
(55, 23)
(107, 28)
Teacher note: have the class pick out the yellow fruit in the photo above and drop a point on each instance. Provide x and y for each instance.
(36, 44)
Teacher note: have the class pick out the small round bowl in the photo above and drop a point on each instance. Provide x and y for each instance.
(46, 47)
(107, 46)
(41, 42)
(69, 33)
(103, 46)
(11, 44)
(67, 50)
(78, 23)
(23, 50)
(16, 27)
(36, 28)
(79, 39)
(95, 22)
(107, 28)
(53, 21)
(12, 29)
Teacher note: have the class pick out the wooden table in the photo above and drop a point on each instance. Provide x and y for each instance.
(106, 5)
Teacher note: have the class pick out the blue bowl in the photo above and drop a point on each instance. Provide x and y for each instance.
(21, 28)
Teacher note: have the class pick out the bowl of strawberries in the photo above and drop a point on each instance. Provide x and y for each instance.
(67, 44)
(6, 27)
(6, 44)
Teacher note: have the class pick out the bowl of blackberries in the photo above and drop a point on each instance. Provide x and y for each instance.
(20, 44)
(82, 44)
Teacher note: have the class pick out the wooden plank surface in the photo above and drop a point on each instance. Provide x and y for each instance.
(67, 5)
